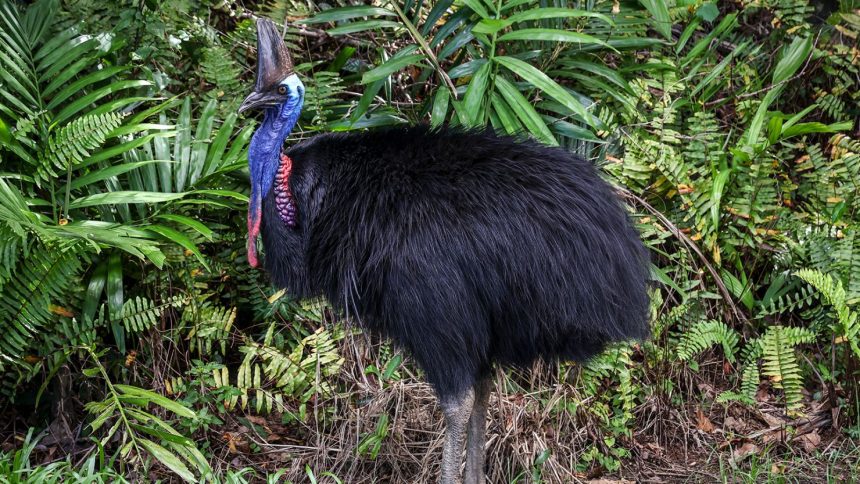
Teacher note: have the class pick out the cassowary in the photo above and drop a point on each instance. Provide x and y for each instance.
(466, 248)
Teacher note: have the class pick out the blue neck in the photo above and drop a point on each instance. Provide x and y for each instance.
(265, 149)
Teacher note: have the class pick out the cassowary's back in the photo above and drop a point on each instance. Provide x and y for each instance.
(466, 248)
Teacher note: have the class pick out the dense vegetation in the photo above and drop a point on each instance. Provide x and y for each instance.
(135, 340)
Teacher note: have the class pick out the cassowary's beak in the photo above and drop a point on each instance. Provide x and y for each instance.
(260, 100)
(274, 64)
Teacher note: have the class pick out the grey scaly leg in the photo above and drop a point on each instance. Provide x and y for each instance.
(477, 434)
(457, 411)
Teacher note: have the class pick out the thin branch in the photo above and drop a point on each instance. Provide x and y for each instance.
(425, 47)
(693, 247)
(772, 86)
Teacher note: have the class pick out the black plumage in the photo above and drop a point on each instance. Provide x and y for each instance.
(465, 248)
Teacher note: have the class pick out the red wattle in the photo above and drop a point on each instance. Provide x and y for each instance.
(254, 214)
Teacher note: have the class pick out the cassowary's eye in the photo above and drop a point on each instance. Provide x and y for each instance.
(282, 90)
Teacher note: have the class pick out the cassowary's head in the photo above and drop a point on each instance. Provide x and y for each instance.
(277, 87)
(280, 93)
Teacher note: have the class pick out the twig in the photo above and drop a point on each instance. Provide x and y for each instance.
(772, 86)
(695, 248)
(425, 47)
(299, 29)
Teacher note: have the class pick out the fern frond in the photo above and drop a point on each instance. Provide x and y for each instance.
(27, 299)
(705, 334)
(140, 314)
(780, 360)
(72, 143)
(834, 293)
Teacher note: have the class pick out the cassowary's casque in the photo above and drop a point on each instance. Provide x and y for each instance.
(468, 249)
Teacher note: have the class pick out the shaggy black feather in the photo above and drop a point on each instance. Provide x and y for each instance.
(465, 248)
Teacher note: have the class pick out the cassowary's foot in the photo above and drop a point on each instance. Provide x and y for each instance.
(477, 434)
(457, 411)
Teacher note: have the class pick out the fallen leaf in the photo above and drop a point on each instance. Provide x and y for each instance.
(809, 441)
(735, 425)
(773, 420)
(744, 451)
(778, 435)
(703, 423)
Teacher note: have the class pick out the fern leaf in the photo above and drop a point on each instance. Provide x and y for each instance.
(705, 334)
(72, 144)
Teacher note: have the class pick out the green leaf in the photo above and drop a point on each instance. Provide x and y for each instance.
(473, 101)
(552, 35)
(346, 13)
(556, 12)
(115, 298)
(478, 8)
(168, 459)
(113, 198)
(391, 66)
(525, 111)
(545, 84)
(157, 399)
(505, 115)
(84, 101)
(110, 171)
(188, 222)
(440, 107)
(363, 25)
(659, 16)
(793, 56)
(807, 128)
(180, 239)
(717, 195)
(489, 26)
(708, 12)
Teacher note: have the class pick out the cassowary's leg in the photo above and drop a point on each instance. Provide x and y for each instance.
(457, 410)
(477, 434)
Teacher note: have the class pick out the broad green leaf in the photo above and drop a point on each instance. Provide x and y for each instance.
(473, 101)
(717, 195)
(111, 171)
(180, 239)
(708, 12)
(659, 16)
(601, 70)
(524, 111)
(155, 398)
(168, 459)
(506, 117)
(113, 198)
(363, 25)
(806, 128)
(215, 154)
(489, 26)
(541, 81)
(74, 107)
(221, 193)
(478, 8)
(346, 13)
(115, 298)
(552, 35)
(188, 222)
(391, 66)
(556, 12)
(440, 107)
(77, 86)
(793, 56)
